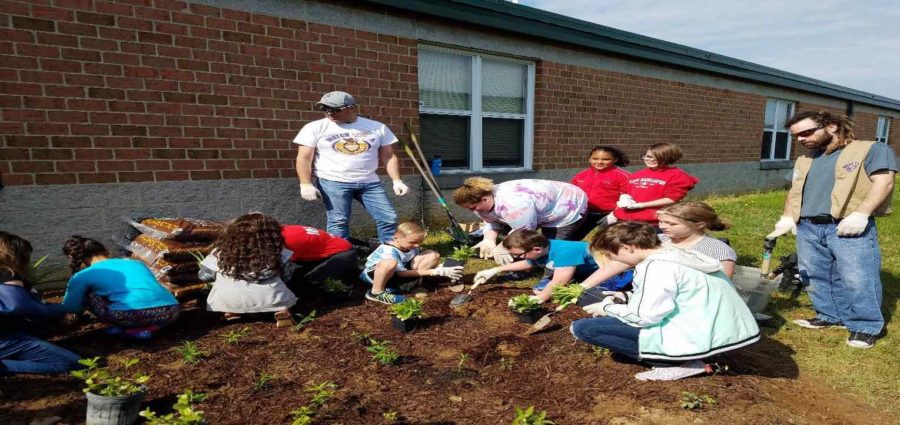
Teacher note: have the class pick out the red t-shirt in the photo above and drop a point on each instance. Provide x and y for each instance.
(603, 187)
(311, 244)
(650, 185)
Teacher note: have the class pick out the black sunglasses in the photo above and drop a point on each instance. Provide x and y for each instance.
(331, 111)
(518, 256)
(807, 132)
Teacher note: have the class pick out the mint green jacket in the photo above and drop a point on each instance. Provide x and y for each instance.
(686, 308)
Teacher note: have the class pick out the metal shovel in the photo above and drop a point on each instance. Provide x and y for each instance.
(464, 298)
(544, 320)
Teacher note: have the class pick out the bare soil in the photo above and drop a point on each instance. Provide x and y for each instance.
(503, 368)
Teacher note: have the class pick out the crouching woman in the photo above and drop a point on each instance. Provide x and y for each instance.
(683, 308)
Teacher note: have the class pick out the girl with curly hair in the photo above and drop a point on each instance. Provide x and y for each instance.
(247, 268)
(604, 182)
(121, 292)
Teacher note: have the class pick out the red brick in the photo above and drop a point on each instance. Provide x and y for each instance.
(81, 55)
(32, 166)
(206, 175)
(117, 165)
(25, 115)
(33, 24)
(90, 129)
(93, 154)
(77, 29)
(89, 178)
(114, 8)
(57, 39)
(66, 116)
(141, 176)
(155, 164)
(187, 18)
(75, 166)
(11, 154)
(171, 175)
(75, 4)
(42, 179)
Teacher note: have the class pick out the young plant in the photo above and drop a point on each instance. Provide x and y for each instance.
(599, 352)
(197, 256)
(463, 357)
(303, 415)
(567, 295)
(523, 304)
(382, 352)
(409, 309)
(391, 416)
(692, 401)
(321, 393)
(190, 354)
(102, 381)
(263, 382)
(335, 286)
(233, 337)
(40, 273)
(507, 363)
(529, 417)
(362, 337)
(462, 253)
(184, 411)
(305, 321)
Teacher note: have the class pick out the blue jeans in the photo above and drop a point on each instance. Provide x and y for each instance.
(843, 274)
(23, 353)
(339, 196)
(610, 333)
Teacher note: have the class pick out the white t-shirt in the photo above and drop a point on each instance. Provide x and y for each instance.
(346, 152)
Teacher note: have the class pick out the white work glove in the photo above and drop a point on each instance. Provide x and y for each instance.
(625, 201)
(485, 275)
(454, 273)
(618, 297)
(853, 225)
(400, 188)
(610, 219)
(503, 258)
(536, 299)
(309, 192)
(596, 309)
(486, 248)
(785, 224)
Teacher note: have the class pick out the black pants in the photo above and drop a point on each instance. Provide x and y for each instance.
(589, 223)
(340, 266)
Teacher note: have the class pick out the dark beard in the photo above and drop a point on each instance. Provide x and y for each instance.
(833, 143)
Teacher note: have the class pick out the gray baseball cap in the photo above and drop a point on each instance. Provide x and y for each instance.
(336, 99)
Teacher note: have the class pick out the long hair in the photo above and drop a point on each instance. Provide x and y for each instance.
(843, 135)
(80, 249)
(666, 154)
(621, 160)
(472, 190)
(696, 212)
(250, 247)
(15, 254)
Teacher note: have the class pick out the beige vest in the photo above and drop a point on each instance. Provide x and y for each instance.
(851, 184)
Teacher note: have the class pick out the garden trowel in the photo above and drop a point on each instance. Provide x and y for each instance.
(544, 320)
(464, 298)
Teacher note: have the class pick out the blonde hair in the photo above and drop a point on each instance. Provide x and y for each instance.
(472, 190)
(696, 212)
(409, 228)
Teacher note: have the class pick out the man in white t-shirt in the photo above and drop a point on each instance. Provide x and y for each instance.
(346, 149)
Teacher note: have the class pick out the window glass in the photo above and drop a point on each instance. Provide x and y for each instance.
(444, 81)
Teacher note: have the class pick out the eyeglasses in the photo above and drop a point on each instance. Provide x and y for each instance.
(331, 111)
(519, 256)
(807, 132)
(648, 158)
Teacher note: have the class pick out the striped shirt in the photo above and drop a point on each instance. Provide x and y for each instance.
(708, 246)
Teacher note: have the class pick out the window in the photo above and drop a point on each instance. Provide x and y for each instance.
(776, 140)
(883, 129)
(475, 111)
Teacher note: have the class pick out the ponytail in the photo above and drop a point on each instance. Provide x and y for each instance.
(79, 249)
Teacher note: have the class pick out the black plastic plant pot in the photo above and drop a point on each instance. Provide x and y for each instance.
(452, 262)
(529, 317)
(404, 326)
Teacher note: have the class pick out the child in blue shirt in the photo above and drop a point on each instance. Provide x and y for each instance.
(402, 258)
(568, 261)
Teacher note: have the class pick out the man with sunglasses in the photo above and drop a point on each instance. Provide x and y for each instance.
(345, 150)
(836, 189)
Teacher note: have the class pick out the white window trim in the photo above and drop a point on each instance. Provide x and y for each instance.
(884, 125)
(790, 139)
(476, 115)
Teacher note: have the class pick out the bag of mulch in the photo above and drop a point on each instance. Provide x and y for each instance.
(151, 250)
(187, 290)
(187, 230)
(179, 279)
(166, 268)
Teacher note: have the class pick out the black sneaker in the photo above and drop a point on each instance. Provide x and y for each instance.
(816, 323)
(861, 340)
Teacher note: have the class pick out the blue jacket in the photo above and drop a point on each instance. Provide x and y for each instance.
(20, 308)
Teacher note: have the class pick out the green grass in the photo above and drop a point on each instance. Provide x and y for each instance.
(869, 374)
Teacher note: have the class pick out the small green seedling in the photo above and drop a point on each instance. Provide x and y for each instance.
(197, 256)
(102, 381)
(190, 354)
(305, 321)
(362, 337)
(335, 286)
(391, 416)
(462, 253)
(303, 415)
(523, 304)
(40, 273)
(463, 357)
(233, 337)
(692, 401)
(507, 363)
(382, 352)
(184, 411)
(263, 382)
(410, 308)
(321, 393)
(529, 417)
(567, 295)
(599, 352)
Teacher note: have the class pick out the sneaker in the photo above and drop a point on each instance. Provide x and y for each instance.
(540, 285)
(861, 340)
(816, 323)
(385, 297)
(673, 373)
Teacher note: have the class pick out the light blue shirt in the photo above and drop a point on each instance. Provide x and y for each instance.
(127, 284)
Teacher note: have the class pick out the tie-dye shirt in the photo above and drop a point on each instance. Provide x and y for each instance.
(531, 203)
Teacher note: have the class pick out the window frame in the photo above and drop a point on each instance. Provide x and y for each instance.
(883, 129)
(792, 107)
(476, 115)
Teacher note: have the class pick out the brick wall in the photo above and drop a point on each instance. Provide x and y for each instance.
(155, 90)
(579, 107)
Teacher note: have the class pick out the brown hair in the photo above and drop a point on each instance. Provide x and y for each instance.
(666, 154)
(610, 239)
(696, 212)
(80, 249)
(525, 240)
(621, 160)
(472, 190)
(409, 228)
(15, 254)
(843, 135)
(250, 246)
